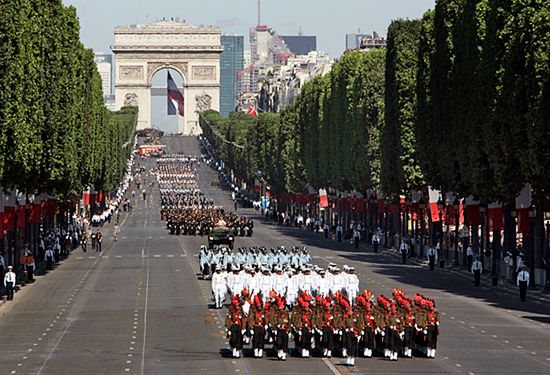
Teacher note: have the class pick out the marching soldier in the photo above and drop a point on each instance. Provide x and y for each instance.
(235, 324)
(219, 287)
(257, 324)
(283, 328)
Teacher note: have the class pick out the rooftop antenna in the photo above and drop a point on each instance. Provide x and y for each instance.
(358, 30)
(259, 12)
(300, 32)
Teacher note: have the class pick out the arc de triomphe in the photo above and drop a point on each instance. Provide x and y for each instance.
(193, 51)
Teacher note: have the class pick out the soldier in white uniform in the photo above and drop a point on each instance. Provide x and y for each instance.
(265, 284)
(280, 281)
(205, 261)
(322, 284)
(352, 284)
(291, 288)
(219, 287)
(235, 282)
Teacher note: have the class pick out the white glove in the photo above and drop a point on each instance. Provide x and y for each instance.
(228, 333)
(425, 332)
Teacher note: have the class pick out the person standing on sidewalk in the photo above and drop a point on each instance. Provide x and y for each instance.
(469, 257)
(9, 283)
(522, 282)
(432, 254)
(404, 248)
(339, 231)
(49, 259)
(326, 229)
(356, 238)
(375, 241)
(477, 268)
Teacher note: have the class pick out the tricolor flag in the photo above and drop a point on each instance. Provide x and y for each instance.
(175, 98)
(252, 110)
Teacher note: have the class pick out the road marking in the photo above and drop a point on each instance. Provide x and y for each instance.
(79, 257)
(170, 256)
(183, 255)
(519, 346)
(534, 353)
(156, 256)
(495, 336)
(145, 319)
(118, 256)
(105, 257)
(162, 237)
(91, 257)
(458, 365)
(331, 367)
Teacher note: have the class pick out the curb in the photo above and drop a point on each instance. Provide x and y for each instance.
(462, 274)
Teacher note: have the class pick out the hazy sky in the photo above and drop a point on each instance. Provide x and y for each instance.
(328, 20)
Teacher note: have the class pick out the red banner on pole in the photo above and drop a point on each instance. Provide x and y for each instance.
(496, 218)
(9, 218)
(524, 221)
(21, 216)
(473, 215)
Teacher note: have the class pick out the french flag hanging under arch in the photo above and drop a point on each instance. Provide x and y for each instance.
(175, 98)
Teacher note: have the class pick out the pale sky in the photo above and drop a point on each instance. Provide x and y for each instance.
(328, 20)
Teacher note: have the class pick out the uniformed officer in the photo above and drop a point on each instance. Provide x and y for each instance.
(477, 269)
(9, 283)
(522, 282)
(404, 248)
(432, 254)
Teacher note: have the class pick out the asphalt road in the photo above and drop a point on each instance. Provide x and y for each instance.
(139, 308)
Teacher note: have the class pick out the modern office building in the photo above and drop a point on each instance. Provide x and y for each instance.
(353, 41)
(232, 62)
(301, 44)
(104, 62)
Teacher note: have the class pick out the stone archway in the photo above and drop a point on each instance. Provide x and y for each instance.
(194, 52)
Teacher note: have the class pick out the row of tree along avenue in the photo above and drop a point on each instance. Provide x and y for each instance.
(57, 139)
(449, 124)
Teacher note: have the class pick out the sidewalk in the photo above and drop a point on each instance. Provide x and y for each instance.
(108, 240)
(503, 285)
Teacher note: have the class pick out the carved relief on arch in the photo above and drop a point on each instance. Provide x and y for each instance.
(131, 100)
(154, 67)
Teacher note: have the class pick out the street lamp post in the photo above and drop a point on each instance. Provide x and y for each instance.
(456, 207)
(532, 216)
(406, 221)
(483, 211)
(421, 230)
(514, 249)
(547, 255)
(386, 226)
(372, 201)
